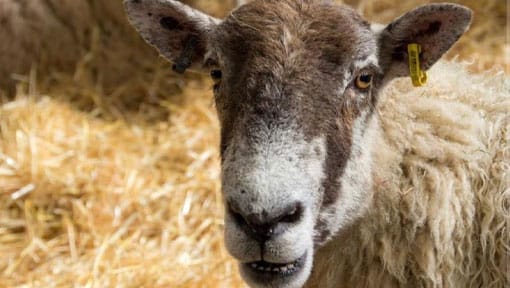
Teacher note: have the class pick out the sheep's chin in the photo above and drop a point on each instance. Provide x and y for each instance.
(295, 278)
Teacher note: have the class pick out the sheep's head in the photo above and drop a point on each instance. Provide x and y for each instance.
(296, 90)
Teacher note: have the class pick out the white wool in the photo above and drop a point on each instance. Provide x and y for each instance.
(440, 209)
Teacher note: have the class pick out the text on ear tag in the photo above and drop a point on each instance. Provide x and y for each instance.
(418, 76)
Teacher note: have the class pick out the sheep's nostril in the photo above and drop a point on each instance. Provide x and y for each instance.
(292, 213)
(264, 226)
(234, 211)
(239, 218)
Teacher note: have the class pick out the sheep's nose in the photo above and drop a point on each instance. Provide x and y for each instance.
(264, 226)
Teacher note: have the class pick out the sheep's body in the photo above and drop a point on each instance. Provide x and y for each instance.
(55, 34)
(441, 202)
(62, 36)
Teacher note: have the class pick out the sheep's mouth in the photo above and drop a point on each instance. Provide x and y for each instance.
(268, 270)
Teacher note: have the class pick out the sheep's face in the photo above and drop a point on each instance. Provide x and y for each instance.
(295, 102)
(296, 90)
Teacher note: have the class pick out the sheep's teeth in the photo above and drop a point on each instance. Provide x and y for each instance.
(275, 268)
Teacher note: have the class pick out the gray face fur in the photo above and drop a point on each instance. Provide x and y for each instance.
(296, 90)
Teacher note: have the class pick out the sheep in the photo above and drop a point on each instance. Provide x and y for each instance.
(439, 216)
(27, 27)
(91, 34)
(327, 182)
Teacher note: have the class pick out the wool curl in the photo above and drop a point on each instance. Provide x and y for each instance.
(441, 205)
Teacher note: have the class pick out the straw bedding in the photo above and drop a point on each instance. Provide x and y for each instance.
(87, 201)
(109, 164)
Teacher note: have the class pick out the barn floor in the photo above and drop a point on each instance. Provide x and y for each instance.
(120, 188)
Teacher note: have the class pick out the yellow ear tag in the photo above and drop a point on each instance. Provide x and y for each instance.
(418, 76)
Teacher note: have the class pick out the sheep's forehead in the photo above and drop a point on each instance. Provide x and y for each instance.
(286, 63)
(295, 35)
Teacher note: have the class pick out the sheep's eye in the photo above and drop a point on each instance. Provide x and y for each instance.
(216, 75)
(363, 81)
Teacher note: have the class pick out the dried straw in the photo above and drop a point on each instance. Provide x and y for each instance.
(104, 203)
(120, 187)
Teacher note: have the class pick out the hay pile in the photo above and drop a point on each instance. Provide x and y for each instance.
(108, 162)
(104, 203)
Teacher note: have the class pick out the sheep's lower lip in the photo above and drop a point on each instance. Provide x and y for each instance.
(266, 270)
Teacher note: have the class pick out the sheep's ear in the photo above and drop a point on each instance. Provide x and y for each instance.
(179, 32)
(436, 27)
